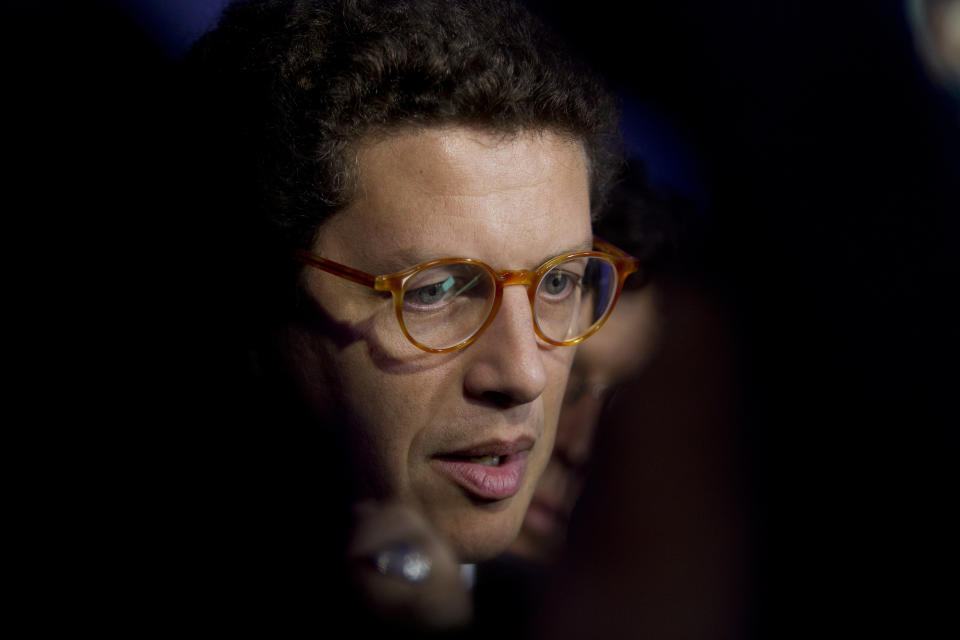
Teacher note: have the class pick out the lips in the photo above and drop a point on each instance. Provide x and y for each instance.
(488, 471)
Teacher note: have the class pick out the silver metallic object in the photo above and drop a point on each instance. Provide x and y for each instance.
(404, 561)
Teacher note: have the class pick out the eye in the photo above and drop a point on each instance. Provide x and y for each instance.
(431, 294)
(559, 284)
(556, 282)
(438, 288)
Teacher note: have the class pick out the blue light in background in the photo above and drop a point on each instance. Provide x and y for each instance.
(671, 164)
(175, 24)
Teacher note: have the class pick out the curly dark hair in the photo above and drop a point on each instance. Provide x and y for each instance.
(296, 84)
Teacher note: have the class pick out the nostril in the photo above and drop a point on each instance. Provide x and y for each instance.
(499, 398)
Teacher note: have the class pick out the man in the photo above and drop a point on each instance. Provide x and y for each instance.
(420, 178)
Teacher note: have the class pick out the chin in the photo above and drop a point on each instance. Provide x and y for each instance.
(484, 531)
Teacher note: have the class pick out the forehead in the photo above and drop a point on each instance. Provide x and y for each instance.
(461, 192)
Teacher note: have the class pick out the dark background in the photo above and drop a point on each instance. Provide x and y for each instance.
(825, 168)
(829, 165)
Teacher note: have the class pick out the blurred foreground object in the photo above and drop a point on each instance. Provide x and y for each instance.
(658, 531)
(405, 571)
(657, 542)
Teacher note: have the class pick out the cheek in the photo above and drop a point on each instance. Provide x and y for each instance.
(385, 406)
(381, 415)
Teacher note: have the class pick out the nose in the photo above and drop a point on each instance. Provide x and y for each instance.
(507, 365)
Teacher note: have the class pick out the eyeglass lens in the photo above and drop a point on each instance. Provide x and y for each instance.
(446, 304)
(573, 296)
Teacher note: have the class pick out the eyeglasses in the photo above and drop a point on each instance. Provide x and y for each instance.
(444, 305)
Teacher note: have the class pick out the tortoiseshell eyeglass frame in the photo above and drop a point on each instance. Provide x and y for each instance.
(396, 283)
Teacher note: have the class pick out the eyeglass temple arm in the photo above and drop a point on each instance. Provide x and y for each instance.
(602, 245)
(335, 268)
(599, 244)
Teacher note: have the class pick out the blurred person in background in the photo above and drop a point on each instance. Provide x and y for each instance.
(647, 224)
(651, 542)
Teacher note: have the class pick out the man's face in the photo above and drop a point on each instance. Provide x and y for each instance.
(420, 423)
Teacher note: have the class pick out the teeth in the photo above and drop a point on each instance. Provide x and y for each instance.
(490, 461)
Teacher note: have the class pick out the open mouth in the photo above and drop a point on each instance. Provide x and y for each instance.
(487, 461)
(487, 476)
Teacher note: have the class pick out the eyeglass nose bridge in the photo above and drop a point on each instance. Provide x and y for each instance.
(523, 277)
(510, 277)
(507, 278)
